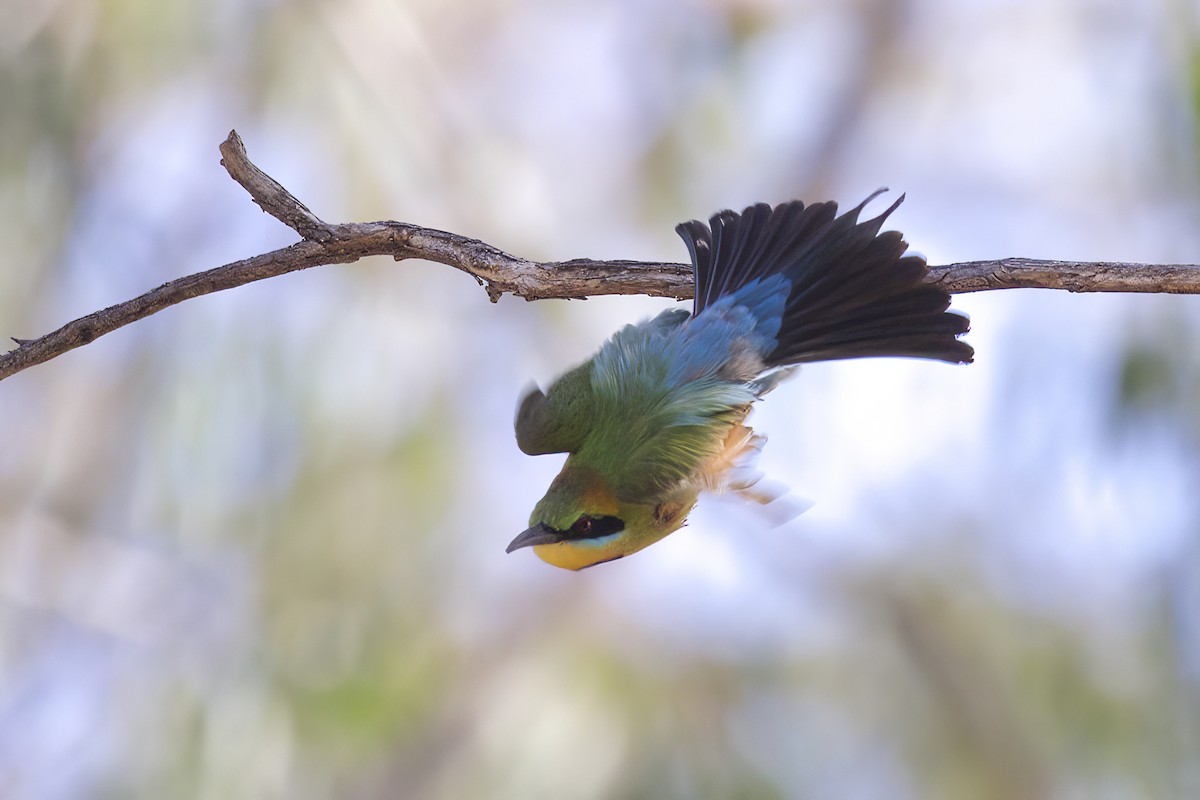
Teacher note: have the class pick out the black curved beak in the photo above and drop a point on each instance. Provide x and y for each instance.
(538, 534)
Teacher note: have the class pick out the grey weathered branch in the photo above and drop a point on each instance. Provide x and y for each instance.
(330, 243)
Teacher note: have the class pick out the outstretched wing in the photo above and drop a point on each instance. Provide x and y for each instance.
(850, 291)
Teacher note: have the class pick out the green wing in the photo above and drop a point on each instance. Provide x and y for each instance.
(558, 420)
(653, 424)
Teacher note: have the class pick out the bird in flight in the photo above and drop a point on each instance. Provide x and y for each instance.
(657, 415)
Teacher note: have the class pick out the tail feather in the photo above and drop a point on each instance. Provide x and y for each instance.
(853, 292)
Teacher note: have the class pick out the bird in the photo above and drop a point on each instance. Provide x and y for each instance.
(657, 416)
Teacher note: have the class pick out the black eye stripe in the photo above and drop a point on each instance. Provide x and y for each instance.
(587, 527)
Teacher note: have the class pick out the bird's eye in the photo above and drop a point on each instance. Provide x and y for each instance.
(594, 527)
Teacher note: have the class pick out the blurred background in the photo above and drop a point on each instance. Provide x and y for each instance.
(253, 546)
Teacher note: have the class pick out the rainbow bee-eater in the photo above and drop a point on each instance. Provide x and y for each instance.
(657, 415)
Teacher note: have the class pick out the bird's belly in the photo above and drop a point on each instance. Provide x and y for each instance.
(732, 467)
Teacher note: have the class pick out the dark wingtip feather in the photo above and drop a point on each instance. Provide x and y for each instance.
(881, 190)
(854, 291)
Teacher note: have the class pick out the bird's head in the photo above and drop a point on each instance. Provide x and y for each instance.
(580, 522)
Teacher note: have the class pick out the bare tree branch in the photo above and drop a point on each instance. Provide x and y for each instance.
(1073, 276)
(499, 272)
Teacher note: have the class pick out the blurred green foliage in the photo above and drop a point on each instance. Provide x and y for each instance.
(253, 546)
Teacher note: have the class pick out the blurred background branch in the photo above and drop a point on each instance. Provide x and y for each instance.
(499, 272)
